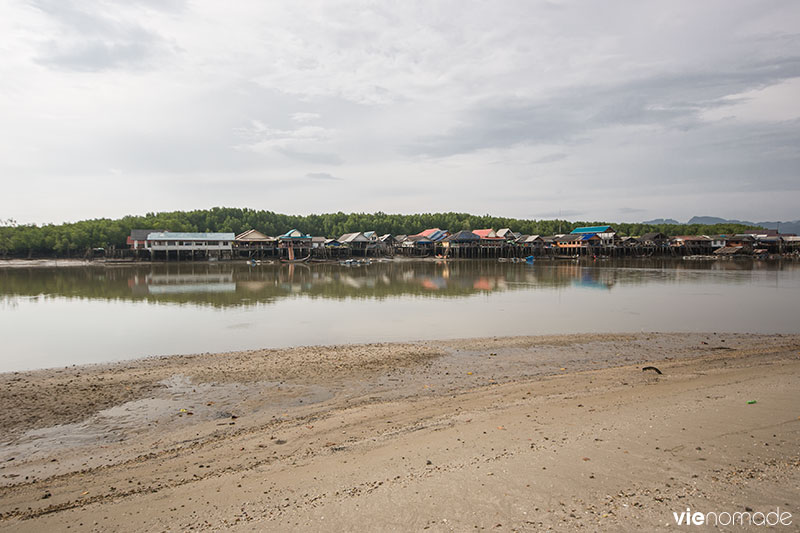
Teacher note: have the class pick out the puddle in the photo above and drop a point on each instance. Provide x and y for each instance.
(180, 403)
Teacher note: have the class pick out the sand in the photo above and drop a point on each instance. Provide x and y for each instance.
(507, 434)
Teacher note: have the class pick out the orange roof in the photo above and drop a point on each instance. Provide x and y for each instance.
(486, 233)
(428, 232)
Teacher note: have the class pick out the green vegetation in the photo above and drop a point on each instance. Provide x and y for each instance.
(79, 238)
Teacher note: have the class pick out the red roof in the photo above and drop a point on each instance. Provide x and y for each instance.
(427, 232)
(486, 234)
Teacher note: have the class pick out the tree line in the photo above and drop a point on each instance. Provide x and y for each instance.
(77, 239)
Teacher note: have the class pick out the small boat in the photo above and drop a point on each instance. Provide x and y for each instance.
(303, 260)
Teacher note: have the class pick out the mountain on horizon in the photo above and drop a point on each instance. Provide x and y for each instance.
(661, 221)
(717, 220)
(784, 227)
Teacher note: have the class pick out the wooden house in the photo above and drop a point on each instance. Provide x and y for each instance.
(253, 243)
(462, 244)
(508, 235)
(294, 244)
(692, 244)
(417, 245)
(357, 242)
(577, 243)
(529, 244)
(607, 234)
(433, 234)
(653, 240)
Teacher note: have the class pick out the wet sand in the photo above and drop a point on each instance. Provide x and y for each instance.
(519, 433)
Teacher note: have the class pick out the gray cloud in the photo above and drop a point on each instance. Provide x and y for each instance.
(90, 40)
(519, 108)
(663, 100)
(322, 176)
(551, 158)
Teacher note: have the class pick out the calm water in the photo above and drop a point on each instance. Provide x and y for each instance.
(64, 316)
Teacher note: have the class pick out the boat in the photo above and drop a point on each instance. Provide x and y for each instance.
(303, 260)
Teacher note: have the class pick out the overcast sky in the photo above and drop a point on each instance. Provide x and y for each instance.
(613, 110)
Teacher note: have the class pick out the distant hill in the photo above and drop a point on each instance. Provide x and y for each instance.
(661, 221)
(784, 227)
(717, 220)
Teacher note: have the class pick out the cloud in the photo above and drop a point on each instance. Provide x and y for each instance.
(322, 176)
(517, 108)
(667, 101)
(90, 38)
(305, 117)
(551, 158)
(258, 137)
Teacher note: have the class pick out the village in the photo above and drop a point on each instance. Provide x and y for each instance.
(503, 244)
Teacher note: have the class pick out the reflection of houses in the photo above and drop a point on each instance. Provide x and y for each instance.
(163, 284)
(175, 245)
(253, 243)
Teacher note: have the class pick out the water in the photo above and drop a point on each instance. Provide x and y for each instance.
(63, 316)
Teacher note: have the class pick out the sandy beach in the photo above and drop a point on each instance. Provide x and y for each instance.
(507, 434)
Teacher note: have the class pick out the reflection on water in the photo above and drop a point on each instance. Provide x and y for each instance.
(56, 316)
(224, 285)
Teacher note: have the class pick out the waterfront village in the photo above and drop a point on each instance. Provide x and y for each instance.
(595, 241)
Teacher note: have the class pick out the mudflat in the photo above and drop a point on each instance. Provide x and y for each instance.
(507, 434)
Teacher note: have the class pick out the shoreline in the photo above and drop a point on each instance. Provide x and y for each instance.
(72, 263)
(347, 433)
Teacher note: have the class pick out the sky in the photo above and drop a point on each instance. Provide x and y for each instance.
(616, 110)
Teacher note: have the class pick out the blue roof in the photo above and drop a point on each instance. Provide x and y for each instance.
(438, 235)
(175, 236)
(592, 229)
(288, 235)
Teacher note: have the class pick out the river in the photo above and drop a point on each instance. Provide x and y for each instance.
(52, 317)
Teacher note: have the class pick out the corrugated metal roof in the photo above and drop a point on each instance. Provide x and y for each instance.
(353, 237)
(294, 234)
(253, 235)
(141, 234)
(178, 236)
(486, 233)
(593, 229)
(577, 237)
(463, 236)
